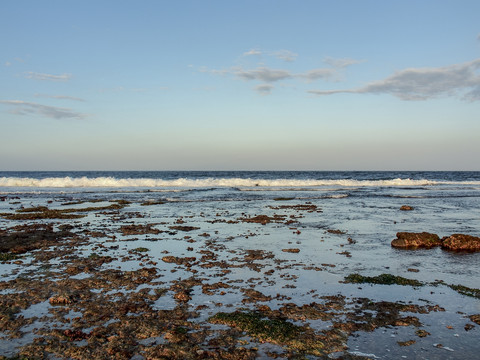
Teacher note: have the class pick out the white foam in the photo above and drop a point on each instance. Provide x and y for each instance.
(110, 182)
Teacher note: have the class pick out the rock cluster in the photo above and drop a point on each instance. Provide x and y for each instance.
(455, 242)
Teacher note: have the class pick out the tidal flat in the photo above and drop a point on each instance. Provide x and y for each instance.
(266, 278)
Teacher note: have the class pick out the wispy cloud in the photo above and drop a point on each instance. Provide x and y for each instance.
(47, 77)
(267, 76)
(317, 74)
(17, 59)
(264, 89)
(285, 55)
(252, 52)
(59, 97)
(424, 83)
(264, 74)
(341, 63)
(20, 107)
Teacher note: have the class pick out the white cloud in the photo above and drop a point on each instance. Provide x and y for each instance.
(252, 52)
(8, 63)
(425, 83)
(59, 97)
(264, 89)
(47, 77)
(20, 107)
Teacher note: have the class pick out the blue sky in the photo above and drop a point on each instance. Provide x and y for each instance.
(240, 85)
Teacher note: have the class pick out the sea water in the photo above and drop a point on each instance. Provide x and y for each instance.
(364, 206)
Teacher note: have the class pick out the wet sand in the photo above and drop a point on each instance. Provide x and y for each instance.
(115, 279)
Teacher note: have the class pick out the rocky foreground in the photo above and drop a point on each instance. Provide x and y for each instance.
(77, 285)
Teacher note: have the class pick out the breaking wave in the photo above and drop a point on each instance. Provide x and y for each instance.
(109, 182)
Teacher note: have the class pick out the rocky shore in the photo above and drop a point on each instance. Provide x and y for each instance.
(121, 280)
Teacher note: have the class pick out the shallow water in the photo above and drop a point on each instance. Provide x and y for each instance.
(363, 207)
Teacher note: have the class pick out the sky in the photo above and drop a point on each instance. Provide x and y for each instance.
(239, 85)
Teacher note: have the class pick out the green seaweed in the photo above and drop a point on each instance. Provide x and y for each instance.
(33, 209)
(300, 340)
(461, 289)
(388, 279)
(472, 292)
(8, 257)
(149, 203)
(383, 279)
(122, 202)
(271, 330)
(79, 202)
(180, 330)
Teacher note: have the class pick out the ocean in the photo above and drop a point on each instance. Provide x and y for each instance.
(239, 185)
(291, 236)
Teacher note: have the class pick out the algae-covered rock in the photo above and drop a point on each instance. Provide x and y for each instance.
(382, 279)
(23, 238)
(279, 331)
(461, 242)
(408, 240)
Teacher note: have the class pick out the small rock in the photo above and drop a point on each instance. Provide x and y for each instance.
(461, 242)
(406, 343)
(182, 296)
(406, 208)
(422, 333)
(183, 228)
(336, 232)
(60, 300)
(475, 318)
(291, 250)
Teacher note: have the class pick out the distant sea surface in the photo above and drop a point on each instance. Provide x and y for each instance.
(243, 185)
(237, 181)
